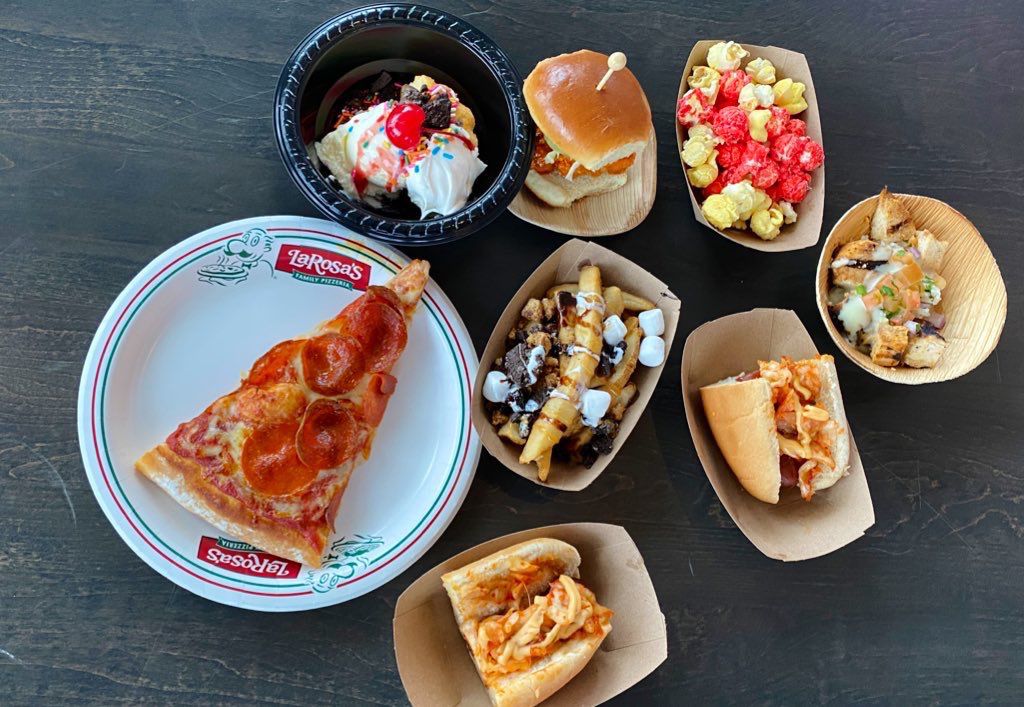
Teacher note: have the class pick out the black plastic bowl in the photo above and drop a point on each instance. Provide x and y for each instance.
(405, 39)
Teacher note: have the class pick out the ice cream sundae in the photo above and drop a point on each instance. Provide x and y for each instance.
(414, 139)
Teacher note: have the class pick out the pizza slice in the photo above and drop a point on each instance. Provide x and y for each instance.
(268, 463)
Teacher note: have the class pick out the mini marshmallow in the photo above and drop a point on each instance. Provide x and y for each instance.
(652, 351)
(593, 405)
(652, 322)
(614, 330)
(496, 387)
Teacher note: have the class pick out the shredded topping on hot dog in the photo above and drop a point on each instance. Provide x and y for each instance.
(804, 428)
(534, 628)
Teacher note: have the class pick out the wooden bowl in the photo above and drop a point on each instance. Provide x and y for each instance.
(974, 299)
(603, 214)
(807, 229)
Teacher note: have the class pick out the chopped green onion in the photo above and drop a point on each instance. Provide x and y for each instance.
(887, 291)
(861, 290)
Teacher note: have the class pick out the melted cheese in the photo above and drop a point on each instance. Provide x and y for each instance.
(509, 642)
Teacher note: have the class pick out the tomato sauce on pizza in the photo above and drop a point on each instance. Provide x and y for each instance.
(269, 462)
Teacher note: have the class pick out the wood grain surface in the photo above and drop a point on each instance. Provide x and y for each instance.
(125, 127)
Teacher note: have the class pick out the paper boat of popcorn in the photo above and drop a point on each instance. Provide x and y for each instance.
(805, 231)
(563, 266)
(434, 662)
(793, 529)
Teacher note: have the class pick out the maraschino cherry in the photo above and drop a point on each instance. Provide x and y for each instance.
(404, 125)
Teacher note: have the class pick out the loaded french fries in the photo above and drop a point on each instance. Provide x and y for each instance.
(565, 380)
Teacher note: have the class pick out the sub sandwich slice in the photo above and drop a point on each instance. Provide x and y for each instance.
(529, 624)
(780, 426)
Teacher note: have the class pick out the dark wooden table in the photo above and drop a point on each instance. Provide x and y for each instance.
(125, 127)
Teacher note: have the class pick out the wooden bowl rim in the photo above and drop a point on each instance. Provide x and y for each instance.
(901, 374)
(646, 203)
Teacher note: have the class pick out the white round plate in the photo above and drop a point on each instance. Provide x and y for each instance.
(182, 333)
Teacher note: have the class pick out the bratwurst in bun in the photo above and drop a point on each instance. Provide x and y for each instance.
(586, 138)
(530, 626)
(781, 425)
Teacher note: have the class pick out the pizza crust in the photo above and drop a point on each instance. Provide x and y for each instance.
(182, 479)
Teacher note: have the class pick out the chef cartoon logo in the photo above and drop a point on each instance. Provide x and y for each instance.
(239, 257)
(345, 557)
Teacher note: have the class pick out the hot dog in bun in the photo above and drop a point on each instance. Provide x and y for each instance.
(530, 626)
(781, 425)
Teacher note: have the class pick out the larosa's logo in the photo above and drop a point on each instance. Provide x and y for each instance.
(322, 267)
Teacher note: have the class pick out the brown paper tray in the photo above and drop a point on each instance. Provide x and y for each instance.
(794, 529)
(563, 266)
(602, 214)
(434, 662)
(974, 299)
(807, 229)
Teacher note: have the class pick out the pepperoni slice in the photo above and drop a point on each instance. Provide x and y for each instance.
(329, 435)
(275, 366)
(380, 330)
(375, 293)
(332, 363)
(271, 463)
(375, 400)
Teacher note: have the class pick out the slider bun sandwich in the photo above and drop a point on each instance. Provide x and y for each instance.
(530, 626)
(586, 139)
(780, 426)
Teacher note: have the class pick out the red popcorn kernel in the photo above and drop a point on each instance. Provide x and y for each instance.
(716, 186)
(796, 126)
(811, 156)
(786, 148)
(755, 153)
(754, 157)
(692, 107)
(778, 123)
(730, 124)
(730, 155)
(732, 83)
(735, 174)
(793, 186)
(766, 176)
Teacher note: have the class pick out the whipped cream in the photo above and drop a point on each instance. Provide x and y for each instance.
(438, 175)
(441, 181)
